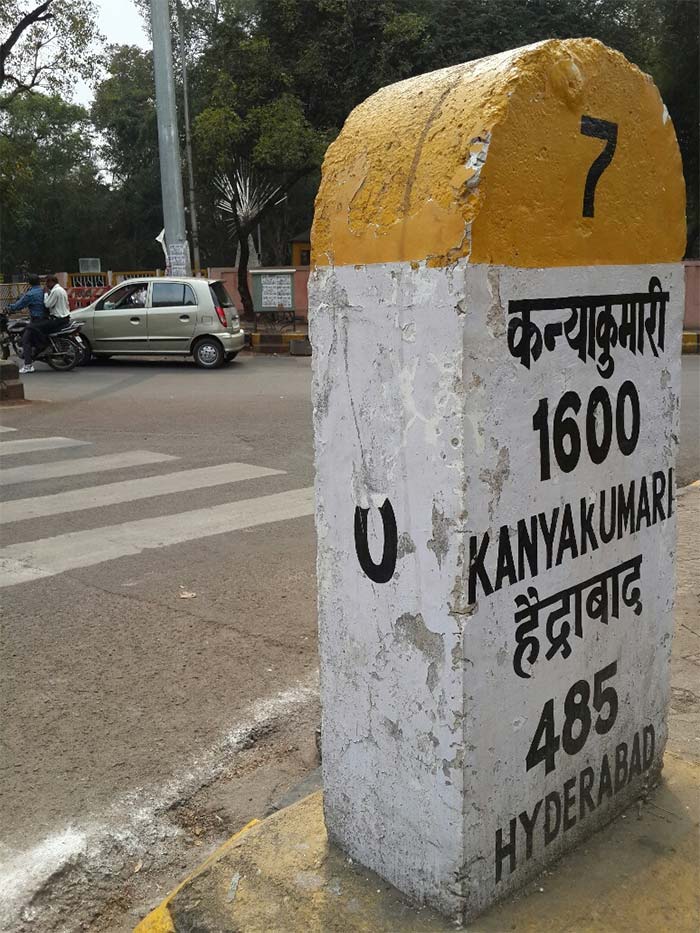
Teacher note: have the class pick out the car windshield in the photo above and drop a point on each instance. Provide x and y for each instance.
(220, 295)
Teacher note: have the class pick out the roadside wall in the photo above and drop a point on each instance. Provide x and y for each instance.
(229, 276)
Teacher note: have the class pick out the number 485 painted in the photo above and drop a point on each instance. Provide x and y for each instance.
(577, 720)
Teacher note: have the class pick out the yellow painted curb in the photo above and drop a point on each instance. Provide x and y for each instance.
(255, 339)
(159, 920)
(639, 875)
(691, 341)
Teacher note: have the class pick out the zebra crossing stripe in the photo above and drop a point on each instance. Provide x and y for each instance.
(31, 444)
(80, 466)
(130, 490)
(4, 429)
(33, 560)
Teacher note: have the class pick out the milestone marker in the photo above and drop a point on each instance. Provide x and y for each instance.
(496, 321)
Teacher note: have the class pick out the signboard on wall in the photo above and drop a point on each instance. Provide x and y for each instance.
(276, 289)
(273, 288)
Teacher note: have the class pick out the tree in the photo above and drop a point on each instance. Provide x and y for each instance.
(276, 83)
(124, 113)
(672, 54)
(279, 147)
(45, 46)
(245, 199)
(54, 202)
(271, 137)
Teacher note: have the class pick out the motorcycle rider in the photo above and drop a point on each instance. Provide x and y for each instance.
(56, 302)
(33, 299)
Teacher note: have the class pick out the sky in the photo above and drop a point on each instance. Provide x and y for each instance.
(119, 21)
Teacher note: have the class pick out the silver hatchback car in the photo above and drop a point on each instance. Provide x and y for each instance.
(164, 316)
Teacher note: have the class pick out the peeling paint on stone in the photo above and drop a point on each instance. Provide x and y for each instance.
(408, 332)
(496, 478)
(393, 729)
(459, 606)
(456, 762)
(440, 542)
(412, 630)
(495, 316)
(431, 654)
(405, 546)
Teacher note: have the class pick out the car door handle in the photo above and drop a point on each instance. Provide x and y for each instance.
(184, 318)
(135, 320)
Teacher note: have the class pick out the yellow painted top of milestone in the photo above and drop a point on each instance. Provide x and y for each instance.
(499, 160)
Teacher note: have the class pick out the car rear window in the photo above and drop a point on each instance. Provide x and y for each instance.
(167, 294)
(220, 295)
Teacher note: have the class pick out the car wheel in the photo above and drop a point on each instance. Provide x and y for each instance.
(86, 355)
(208, 353)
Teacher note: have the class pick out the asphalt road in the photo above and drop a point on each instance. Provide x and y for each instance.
(122, 696)
(143, 724)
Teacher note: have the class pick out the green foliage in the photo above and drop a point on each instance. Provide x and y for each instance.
(671, 55)
(124, 110)
(279, 78)
(125, 115)
(52, 197)
(218, 130)
(59, 201)
(285, 141)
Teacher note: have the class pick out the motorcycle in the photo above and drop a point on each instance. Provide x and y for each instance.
(62, 350)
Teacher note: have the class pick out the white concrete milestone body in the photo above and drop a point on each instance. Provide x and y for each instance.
(496, 425)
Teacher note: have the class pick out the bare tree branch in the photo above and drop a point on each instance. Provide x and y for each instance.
(22, 87)
(37, 15)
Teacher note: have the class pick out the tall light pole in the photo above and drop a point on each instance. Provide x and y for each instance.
(168, 142)
(194, 227)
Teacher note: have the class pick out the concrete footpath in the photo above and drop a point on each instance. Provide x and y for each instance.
(638, 875)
